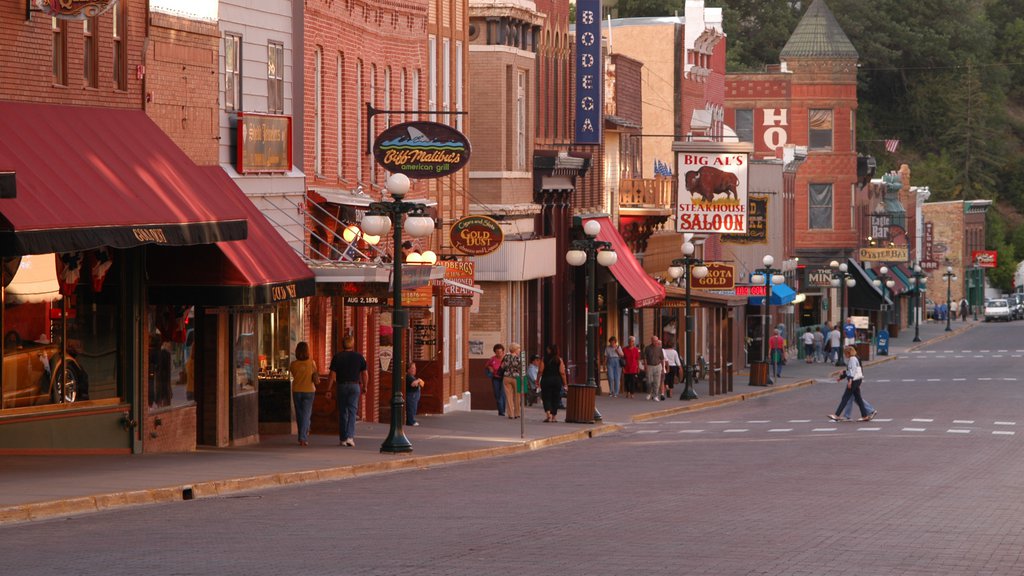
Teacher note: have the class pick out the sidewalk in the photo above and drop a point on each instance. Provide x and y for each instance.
(37, 487)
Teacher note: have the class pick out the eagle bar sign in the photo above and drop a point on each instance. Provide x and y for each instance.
(713, 187)
(589, 73)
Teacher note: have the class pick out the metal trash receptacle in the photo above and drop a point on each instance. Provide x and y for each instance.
(580, 404)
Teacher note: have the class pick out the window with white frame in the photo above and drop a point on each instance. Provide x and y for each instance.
(819, 201)
(458, 85)
(432, 76)
(340, 114)
(318, 111)
(118, 31)
(520, 121)
(416, 92)
(373, 120)
(446, 78)
(91, 49)
(232, 72)
(275, 78)
(402, 94)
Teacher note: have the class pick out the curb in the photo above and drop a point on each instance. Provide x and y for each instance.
(214, 488)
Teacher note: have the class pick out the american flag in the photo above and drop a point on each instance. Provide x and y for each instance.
(891, 145)
(661, 169)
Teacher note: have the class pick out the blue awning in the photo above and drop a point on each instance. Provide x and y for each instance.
(781, 294)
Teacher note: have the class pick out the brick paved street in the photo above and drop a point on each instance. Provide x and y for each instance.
(765, 487)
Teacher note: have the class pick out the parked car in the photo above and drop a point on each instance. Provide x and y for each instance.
(997, 310)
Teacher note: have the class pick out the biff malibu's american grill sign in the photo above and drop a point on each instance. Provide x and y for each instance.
(712, 187)
(421, 149)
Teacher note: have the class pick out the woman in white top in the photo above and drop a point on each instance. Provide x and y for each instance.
(672, 365)
(854, 375)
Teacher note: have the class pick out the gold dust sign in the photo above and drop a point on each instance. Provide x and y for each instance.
(476, 235)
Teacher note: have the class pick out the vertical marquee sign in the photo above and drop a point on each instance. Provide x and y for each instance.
(589, 72)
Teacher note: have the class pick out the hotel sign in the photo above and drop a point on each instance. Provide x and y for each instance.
(589, 73)
(421, 149)
(73, 9)
(264, 143)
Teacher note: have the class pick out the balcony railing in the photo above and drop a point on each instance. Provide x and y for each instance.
(658, 192)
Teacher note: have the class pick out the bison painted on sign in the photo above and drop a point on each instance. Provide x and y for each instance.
(709, 181)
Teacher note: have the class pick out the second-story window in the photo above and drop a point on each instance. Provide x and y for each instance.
(819, 133)
(60, 51)
(232, 72)
(745, 125)
(458, 85)
(432, 76)
(519, 162)
(91, 46)
(275, 78)
(819, 202)
(118, 30)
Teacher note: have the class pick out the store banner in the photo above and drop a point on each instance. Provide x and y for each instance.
(985, 258)
(589, 73)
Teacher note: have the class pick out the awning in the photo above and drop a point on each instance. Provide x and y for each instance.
(517, 261)
(646, 291)
(894, 275)
(781, 294)
(864, 294)
(262, 269)
(91, 177)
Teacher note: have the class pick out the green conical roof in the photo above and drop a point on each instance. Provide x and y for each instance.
(818, 35)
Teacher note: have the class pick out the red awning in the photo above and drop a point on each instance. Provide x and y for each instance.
(91, 177)
(646, 291)
(261, 269)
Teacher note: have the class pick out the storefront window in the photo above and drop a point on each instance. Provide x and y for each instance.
(171, 368)
(278, 334)
(244, 353)
(38, 320)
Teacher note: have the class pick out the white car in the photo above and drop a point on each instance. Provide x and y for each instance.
(997, 310)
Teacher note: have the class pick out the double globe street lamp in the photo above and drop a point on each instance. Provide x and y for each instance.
(686, 267)
(950, 277)
(591, 251)
(767, 277)
(380, 218)
(841, 279)
(886, 283)
(918, 281)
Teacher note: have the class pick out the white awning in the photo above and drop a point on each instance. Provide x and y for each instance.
(517, 260)
(35, 281)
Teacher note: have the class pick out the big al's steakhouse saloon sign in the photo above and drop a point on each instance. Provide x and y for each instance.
(712, 192)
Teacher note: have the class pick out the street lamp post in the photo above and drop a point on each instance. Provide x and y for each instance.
(978, 286)
(949, 276)
(918, 281)
(381, 217)
(688, 266)
(886, 283)
(591, 251)
(841, 280)
(767, 276)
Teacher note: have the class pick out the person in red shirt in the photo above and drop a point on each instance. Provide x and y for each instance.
(631, 370)
(777, 352)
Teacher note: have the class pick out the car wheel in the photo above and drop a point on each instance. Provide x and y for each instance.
(64, 390)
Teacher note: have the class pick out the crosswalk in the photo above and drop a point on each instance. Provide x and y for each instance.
(909, 426)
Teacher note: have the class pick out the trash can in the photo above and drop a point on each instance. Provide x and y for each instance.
(759, 374)
(863, 350)
(580, 404)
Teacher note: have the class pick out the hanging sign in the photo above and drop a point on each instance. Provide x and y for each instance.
(589, 73)
(476, 235)
(985, 258)
(713, 187)
(74, 9)
(421, 149)
(720, 277)
(264, 143)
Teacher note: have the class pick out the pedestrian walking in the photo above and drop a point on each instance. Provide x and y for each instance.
(512, 371)
(346, 380)
(808, 340)
(493, 370)
(965, 308)
(613, 363)
(854, 376)
(413, 389)
(819, 345)
(672, 365)
(552, 381)
(834, 344)
(304, 379)
(631, 370)
(777, 353)
(954, 308)
(654, 361)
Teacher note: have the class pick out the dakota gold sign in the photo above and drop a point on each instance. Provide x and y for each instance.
(891, 254)
(476, 235)
(73, 9)
(421, 149)
(720, 277)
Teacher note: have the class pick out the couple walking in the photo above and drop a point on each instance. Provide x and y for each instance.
(854, 376)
